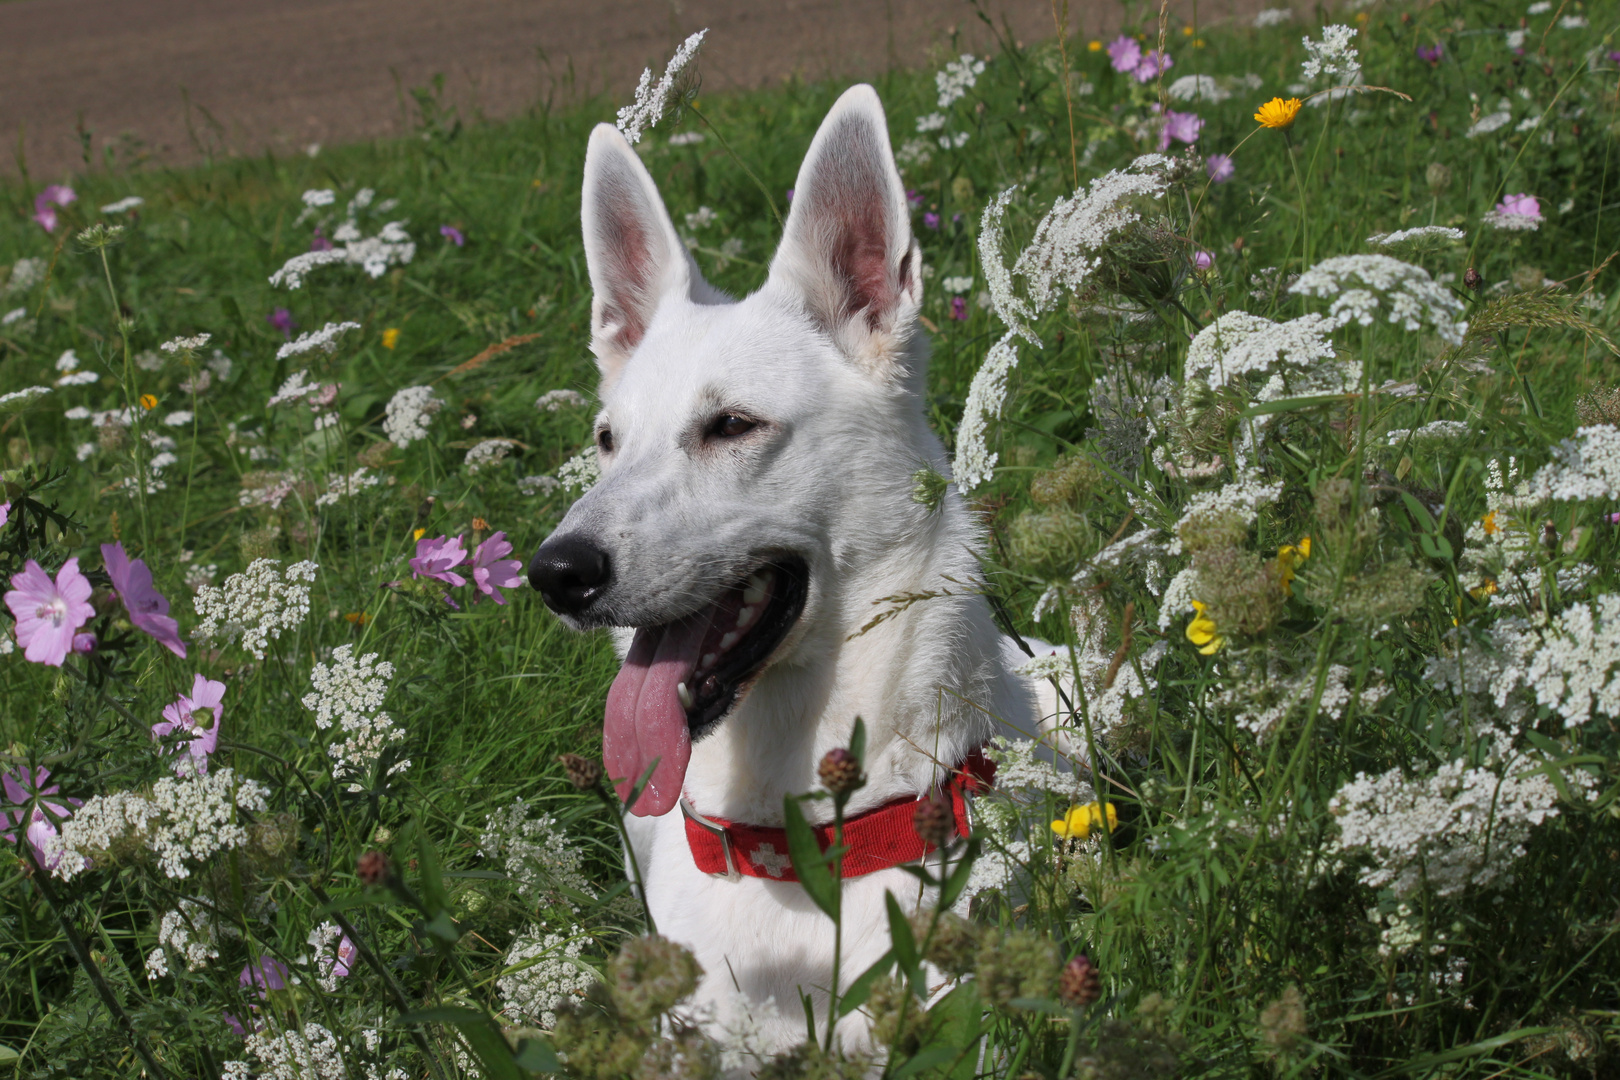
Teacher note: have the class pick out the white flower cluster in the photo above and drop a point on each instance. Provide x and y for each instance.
(25, 274)
(648, 108)
(1242, 497)
(294, 270)
(350, 694)
(1574, 672)
(296, 387)
(1333, 55)
(255, 605)
(956, 78)
(975, 462)
(311, 1053)
(535, 852)
(1273, 17)
(1432, 432)
(1420, 238)
(1023, 765)
(543, 971)
(325, 944)
(1461, 826)
(127, 203)
(185, 344)
(538, 485)
(1414, 298)
(1262, 698)
(188, 931)
(409, 412)
(269, 488)
(324, 339)
(1197, 88)
(486, 453)
(580, 472)
(374, 254)
(183, 819)
(1239, 344)
(1511, 222)
(19, 398)
(1583, 468)
(553, 400)
(68, 364)
(343, 487)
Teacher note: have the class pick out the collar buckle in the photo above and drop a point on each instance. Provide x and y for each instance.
(718, 830)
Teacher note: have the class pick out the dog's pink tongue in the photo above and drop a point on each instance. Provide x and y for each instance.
(644, 718)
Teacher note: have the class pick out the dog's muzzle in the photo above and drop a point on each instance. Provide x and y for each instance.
(570, 573)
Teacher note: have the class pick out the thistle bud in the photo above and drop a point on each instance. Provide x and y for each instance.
(372, 869)
(1079, 985)
(1473, 279)
(934, 822)
(582, 772)
(840, 773)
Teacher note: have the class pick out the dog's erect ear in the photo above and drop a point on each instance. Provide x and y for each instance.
(634, 255)
(847, 250)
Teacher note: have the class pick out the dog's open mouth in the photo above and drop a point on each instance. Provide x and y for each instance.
(681, 678)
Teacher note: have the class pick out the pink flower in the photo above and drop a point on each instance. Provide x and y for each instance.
(282, 320)
(492, 572)
(28, 797)
(49, 614)
(1219, 167)
(147, 608)
(266, 975)
(84, 643)
(931, 219)
(1181, 126)
(347, 954)
(1125, 54)
(1203, 260)
(435, 559)
(45, 204)
(959, 310)
(1521, 205)
(196, 715)
(452, 234)
(319, 242)
(1153, 64)
(5, 512)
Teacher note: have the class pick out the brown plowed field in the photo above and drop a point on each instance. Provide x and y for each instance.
(166, 81)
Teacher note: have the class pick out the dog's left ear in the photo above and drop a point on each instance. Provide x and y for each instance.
(847, 251)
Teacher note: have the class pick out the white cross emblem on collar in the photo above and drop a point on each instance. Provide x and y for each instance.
(766, 858)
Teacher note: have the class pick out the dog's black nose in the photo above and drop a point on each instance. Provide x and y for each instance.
(570, 573)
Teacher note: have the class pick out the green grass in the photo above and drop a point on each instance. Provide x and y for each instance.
(1227, 944)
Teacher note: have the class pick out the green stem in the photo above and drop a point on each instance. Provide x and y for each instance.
(630, 853)
(838, 923)
(763, 190)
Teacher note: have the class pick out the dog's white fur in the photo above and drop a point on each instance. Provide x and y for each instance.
(826, 356)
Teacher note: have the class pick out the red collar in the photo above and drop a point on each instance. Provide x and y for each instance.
(879, 839)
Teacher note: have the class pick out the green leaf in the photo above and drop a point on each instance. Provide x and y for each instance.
(808, 861)
(1420, 513)
(959, 874)
(857, 743)
(809, 1016)
(926, 1058)
(537, 1056)
(1291, 404)
(8, 1054)
(856, 993)
(434, 894)
(481, 1033)
(443, 927)
(905, 945)
(1458, 1053)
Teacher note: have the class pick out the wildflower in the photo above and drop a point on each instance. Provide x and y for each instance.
(1356, 281)
(648, 108)
(1153, 64)
(959, 310)
(324, 340)
(452, 234)
(350, 693)
(196, 715)
(1333, 55)
(148, 402)
(1516, 213)
(1203, 260)
(580, 472)
(1202, 633)
(1278, 114)
(281, 319)
(1289, 556)
(840, 772)
(17, 399)
(1431, 54)
(1080, 985)
(931, 220)
(1094, 45)
(1081, 820)
(1124, 53)
(934, 822)
(486, 453)
(435, 559)
(535, 850)
(491, 572)
(1272, 17)
(340, 486)
(49, 613)
(124, 205)
(1180, 126)
(1196, 88)
(27, 797)
(255, 605)
(553, 400)
(582, 772)
(147, 608)
(409, 412)
(543, 972)
(46, 202)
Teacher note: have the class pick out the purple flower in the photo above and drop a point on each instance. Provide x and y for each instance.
(196, 715)
(147, 608)
(266, 975)
(1181, 126)
(931, 220)
(48, 613)
(1431, 54)
(435, 559)
(46, 201)
(1203, 260)
(1614, 519)
(491, 572)
(5, 512)
(790, 194)
(914, 197)
(282, 320)
(452, 234)
(959, 309)
(84, 644)
(1125, 53)
(1152, 65)
(1219, 167)
(319, 242)
(347, 954)
(1522, 205)
(1614, 56)
(27, 796)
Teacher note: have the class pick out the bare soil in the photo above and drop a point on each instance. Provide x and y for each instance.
(168, 82)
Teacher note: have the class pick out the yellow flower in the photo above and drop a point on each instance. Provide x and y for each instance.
(1081, 820)
(1278, 114)
(1094, 46)
(390, 337)
(148, 401)
(418, 534)
(1289, 556)
(1489, 521)
(359, 618)
(1201, 632)
(1186, 31)
(1198, 43)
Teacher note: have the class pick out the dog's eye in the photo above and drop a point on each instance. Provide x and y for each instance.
(730, 425)
(604, 440)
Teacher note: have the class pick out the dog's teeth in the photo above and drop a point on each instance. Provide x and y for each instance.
(745, 616)
(728, 641)
(709, 659)
(685, 695)
(755, 592)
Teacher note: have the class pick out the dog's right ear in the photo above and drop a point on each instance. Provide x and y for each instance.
(632, 250)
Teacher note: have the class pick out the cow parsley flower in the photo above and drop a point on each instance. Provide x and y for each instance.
(1272, 17)
(553, 400)
(324, 339)
(349, 693)
(1358, 284)
(124, 205)
(974, 463)
(1574, 671)
(18, 399)
(190, 933)
(1333, 55)
(1421, 238)
(651, 101)
(956, 78)
(309, 1053)
(1241, 498)
(580, 472)
(486, 453)
(255, 605)
(332, 955)
(1585, 467)
(535, 852)
(410, 411)
(344, 487)
(1238, 344)
(542, 972)
(1197, 88)
(294, 270)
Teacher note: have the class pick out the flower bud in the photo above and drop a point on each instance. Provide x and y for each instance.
(1438, 177)
(1079, 985)
(372, 869)
(934, 822)
(582, 772)
(840, 773)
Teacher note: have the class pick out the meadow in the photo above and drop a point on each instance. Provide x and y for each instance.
(1278, 359)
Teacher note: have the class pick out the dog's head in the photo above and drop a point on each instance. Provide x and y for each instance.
(743, 445)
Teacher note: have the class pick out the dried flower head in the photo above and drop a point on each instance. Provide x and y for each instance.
(840, 772)
(582, 772)
(1080, 984)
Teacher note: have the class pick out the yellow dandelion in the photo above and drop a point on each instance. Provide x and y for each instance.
(148, 401)
(1081, 820)
(1094, 46)
(1202, 633)
(390, 337)
(1289, 556)
(1278, 114)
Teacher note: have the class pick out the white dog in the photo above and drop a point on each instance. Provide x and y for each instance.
(754, 513)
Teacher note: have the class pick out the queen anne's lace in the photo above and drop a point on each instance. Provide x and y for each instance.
(410, 411)
(1584, 468)
(535, 852)
(1576, 672)
(648, 108)
(1358, 284)
(542, 973)
(255, 605)
(349, 693)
